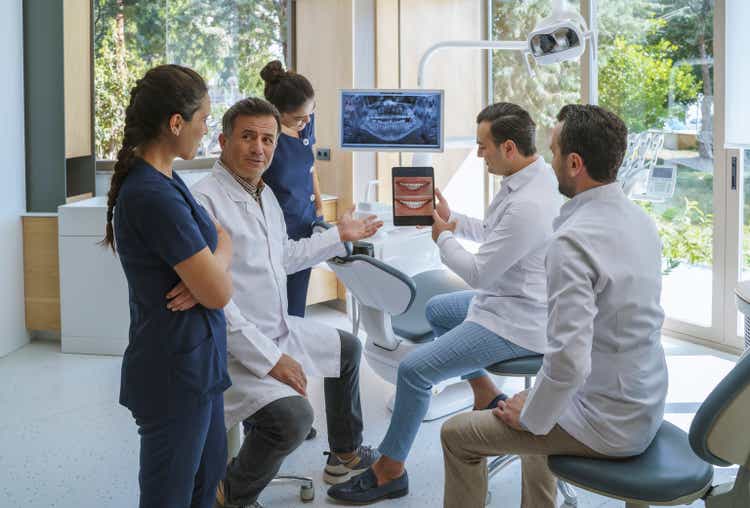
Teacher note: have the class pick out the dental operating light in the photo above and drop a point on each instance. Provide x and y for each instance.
(559, 37)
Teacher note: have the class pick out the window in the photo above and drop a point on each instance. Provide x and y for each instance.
(656, 72)
(227, 41)
(545, 91)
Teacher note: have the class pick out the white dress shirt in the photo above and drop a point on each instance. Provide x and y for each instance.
(508, 270)
(604, 376)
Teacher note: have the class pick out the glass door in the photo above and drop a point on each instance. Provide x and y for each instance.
(656, 70)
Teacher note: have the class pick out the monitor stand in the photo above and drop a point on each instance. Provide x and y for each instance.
(421, 159)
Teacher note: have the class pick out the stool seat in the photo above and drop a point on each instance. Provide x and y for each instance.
(666, 472)
(412, 324)
(526, 366)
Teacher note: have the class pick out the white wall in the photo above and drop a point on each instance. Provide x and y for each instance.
(13, 332)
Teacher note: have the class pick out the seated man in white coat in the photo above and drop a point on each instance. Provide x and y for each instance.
(603, 383)
(503, 317)
(270, 352)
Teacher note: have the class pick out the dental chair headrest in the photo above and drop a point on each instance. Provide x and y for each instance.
(718, 433)
(375, 284)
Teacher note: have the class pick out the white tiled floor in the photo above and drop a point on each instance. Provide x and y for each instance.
(65, 442)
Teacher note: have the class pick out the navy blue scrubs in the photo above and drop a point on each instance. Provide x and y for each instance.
(290, 177)
(174, 370)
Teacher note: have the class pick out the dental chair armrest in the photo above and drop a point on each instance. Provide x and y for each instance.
(320, 225)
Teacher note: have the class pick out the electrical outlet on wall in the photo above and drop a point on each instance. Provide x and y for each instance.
(323, 154)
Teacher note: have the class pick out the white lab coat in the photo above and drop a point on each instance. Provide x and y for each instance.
(604, 376)
(259, 328)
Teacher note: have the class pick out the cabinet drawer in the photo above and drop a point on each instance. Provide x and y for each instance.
(323, 286)
(330, 210)
(41, 273)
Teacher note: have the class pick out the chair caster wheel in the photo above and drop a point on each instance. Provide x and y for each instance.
(307, 493)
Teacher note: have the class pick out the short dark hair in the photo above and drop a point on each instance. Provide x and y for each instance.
(286, 90)
(510, 121)
(599, 136)
(251, 106)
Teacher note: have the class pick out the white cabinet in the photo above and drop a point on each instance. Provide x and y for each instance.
(94, 310)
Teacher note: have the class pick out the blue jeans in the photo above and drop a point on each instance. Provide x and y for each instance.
(461, 348)
(183, 456)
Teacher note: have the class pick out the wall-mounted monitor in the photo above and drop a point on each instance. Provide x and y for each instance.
(392, 120)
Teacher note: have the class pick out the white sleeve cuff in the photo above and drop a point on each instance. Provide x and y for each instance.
(444, 236)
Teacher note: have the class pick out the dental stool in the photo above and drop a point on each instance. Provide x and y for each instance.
(306, 484)
(526, 367)
(390, 306)
(676, 469)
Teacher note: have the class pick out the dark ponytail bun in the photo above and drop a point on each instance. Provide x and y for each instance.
(272, 72)
(286, 90)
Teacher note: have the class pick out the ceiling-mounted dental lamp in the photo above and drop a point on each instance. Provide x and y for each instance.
(559, 37)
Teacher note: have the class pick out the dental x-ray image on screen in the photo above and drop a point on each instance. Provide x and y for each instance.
(401, 120)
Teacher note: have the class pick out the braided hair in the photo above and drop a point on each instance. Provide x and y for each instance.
(163, 91)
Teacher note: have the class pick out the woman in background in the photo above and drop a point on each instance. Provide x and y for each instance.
(291, 175)
(176, 261)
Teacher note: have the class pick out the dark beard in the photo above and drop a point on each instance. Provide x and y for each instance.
(567, 192)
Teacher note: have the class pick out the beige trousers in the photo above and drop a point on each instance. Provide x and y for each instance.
(469, 438)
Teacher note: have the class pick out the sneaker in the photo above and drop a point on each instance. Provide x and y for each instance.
(221, 499)
(363, 489)
(337, 471)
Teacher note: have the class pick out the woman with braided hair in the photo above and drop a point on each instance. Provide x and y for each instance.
(176, 260)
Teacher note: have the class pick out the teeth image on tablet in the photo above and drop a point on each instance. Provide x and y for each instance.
(413, 204)
(412, 186)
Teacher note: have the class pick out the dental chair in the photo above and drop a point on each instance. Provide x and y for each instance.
(676, 469)
(390, 306)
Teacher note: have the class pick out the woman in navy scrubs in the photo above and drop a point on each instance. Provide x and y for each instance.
(176, 262)
(291, 175)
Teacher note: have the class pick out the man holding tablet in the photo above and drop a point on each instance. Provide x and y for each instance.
(504, 317)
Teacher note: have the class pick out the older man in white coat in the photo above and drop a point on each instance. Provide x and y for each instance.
(270, 352)
(603, 383)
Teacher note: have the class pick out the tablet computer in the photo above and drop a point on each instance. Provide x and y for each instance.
(413, 196)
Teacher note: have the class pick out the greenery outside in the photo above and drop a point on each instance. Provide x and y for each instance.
(226, 41)
(656, 72)
(648, 74)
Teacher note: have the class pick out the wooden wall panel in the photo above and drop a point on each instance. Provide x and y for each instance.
(460, 72)
(77, 76)
(324, 48)
(41, 273)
